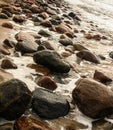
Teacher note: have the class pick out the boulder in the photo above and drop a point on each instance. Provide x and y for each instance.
(46, 82)
(49, 105)
(19, 19)
(8, 64)
(14, 99)
(26, 42)
(88, 56)
(93, 98)
(52, 60)
(30, 123)
(98, 75)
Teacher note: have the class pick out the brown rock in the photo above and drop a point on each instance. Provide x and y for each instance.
(47, 82)
(88, 36)
(19, 18)
(46, 23)
(29, 123)
(8, 64)
(63, 28)
(4, 50)
(36, 9)
(3, 16)
(93, 98)
(97, 37)
(101, 77)
(43, 15)
(89, 56)
(79, 47)
(7, 25)
(39, 69)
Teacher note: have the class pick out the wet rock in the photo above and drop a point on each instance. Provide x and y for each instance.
(102, 125)
(43, 15)
(36, 9)
(71, 14)
(93, 98)
(52, 60)
(30, 123)
(26, 43)
(66, 42)
(111, 54)
(46, 23)
(46, 82)
(15, 97)
(62, 28)
(70, 34)
(26, 11)
(7, 25)
(48, 45)
(19, 19)
(44, 33)
(97, 37)
(79, 47)
(39, 69)
(5, 76)
(4, 50)
(3, 16)
(7, 13)
(55, 22)
(8, 64)
(9, 43)
(89, 56)
(49, 105)
(37, 20)
(10, 9)
(88, 36)
(26, 47)
(101, 77)
(7, 126)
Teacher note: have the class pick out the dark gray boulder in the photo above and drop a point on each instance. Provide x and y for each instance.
(49, 105)
(52, 60)
(14, 99)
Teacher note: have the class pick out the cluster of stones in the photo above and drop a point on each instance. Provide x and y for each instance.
(91, 96)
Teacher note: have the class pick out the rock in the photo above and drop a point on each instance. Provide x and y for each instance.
(43, 15)
(71, 14)
(46, 82)
(79, 47)
(14, 99)
(52, 60)
(89, 56)
(88, 36)
(48, 45)
(8, 64)
(93, 98)
(46, 23)
(4, 50)
(19, 19)
(111, 54)
(3, 16)
(5, 76)
(26, 47)
(102, 125)
(36, 9)
(7, 126)
(62, 28)
(97, 37)
(7, 25)
(66, 42)
(102, 57)
(66, 53)
(49, 105)
(44, 33)
(9, 43)
(7, 13)
(101, 77)
(39, 69)
(10, 9)
(26, 43)
(30, 123)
